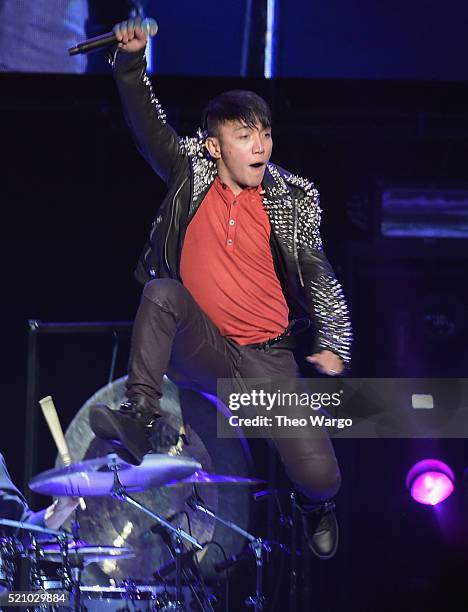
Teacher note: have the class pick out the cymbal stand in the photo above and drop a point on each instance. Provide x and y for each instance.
(35, 578)
(190, 572)
(118, 492)
(71, 576)
(257, 546)
(75, 524)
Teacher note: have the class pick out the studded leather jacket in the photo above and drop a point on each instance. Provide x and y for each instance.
(307, 279)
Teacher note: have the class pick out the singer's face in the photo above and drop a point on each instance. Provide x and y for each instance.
(241, 153)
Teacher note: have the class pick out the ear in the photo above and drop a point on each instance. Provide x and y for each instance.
(213, 146)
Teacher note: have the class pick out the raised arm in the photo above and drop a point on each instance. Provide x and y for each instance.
(156, 140)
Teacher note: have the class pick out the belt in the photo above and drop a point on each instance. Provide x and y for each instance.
(287, 334)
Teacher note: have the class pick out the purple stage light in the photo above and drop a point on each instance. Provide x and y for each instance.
(430, 481)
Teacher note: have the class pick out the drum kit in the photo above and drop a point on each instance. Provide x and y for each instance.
(160, 536)
(110, 476)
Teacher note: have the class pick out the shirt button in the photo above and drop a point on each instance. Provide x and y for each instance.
(235, 202)
(229, 241)
(231, 221)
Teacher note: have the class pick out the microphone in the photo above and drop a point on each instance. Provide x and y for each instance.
(148, 25)
(226, 564)
(159, 529)
(195, 502)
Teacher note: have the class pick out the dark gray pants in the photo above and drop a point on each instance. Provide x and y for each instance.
(173, 335)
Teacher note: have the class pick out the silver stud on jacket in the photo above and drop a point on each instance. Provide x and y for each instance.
(204, 173)
(331, 316)
(161, 115)
(297, 222)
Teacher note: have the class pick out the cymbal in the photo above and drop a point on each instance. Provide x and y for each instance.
(201, 477)
(95, 476)
(80, 551)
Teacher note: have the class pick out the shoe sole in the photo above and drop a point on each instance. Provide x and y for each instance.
(122, 452)
(105, 427)
(321, 556)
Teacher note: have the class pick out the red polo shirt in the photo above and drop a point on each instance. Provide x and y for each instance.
(227, 265)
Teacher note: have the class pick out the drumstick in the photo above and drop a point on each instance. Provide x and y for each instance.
(51, 416)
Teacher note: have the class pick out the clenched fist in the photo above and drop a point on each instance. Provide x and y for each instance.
(59, 511)
(130, 35)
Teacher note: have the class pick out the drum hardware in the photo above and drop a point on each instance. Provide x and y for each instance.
(79, 552)
(177, 534)
(10, 550)
(112, 477)
(70, 572)
(72, 554)
(36, 578)
(73, 574)
(73, 557)
(257, 545)
(57, 533)
(190, 572)
(39, 581)
(130, 596)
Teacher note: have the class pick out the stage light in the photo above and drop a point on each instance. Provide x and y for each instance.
(430, 481)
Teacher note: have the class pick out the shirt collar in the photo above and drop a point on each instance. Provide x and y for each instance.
(226, 192)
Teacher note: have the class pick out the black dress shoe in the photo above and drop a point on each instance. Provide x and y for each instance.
(128, 429)
(320, 526)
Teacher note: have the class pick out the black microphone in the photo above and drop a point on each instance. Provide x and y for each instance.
(224, 565)
(148, 25)
(195, 502)
(159, 529)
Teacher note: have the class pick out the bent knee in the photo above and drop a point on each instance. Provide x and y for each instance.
(319, 479)
(163, 291)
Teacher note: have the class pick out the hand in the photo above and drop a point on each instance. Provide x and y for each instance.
(327, 362)
(59, 511)
(130, 35)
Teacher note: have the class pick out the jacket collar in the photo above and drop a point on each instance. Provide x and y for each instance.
(274, 182)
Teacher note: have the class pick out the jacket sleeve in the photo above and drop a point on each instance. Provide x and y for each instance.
(156, 140)
(12, 503)
(327, 304)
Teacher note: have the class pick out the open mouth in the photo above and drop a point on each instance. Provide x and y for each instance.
(257, 165)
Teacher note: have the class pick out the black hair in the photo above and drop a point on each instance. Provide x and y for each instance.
(236, 105)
